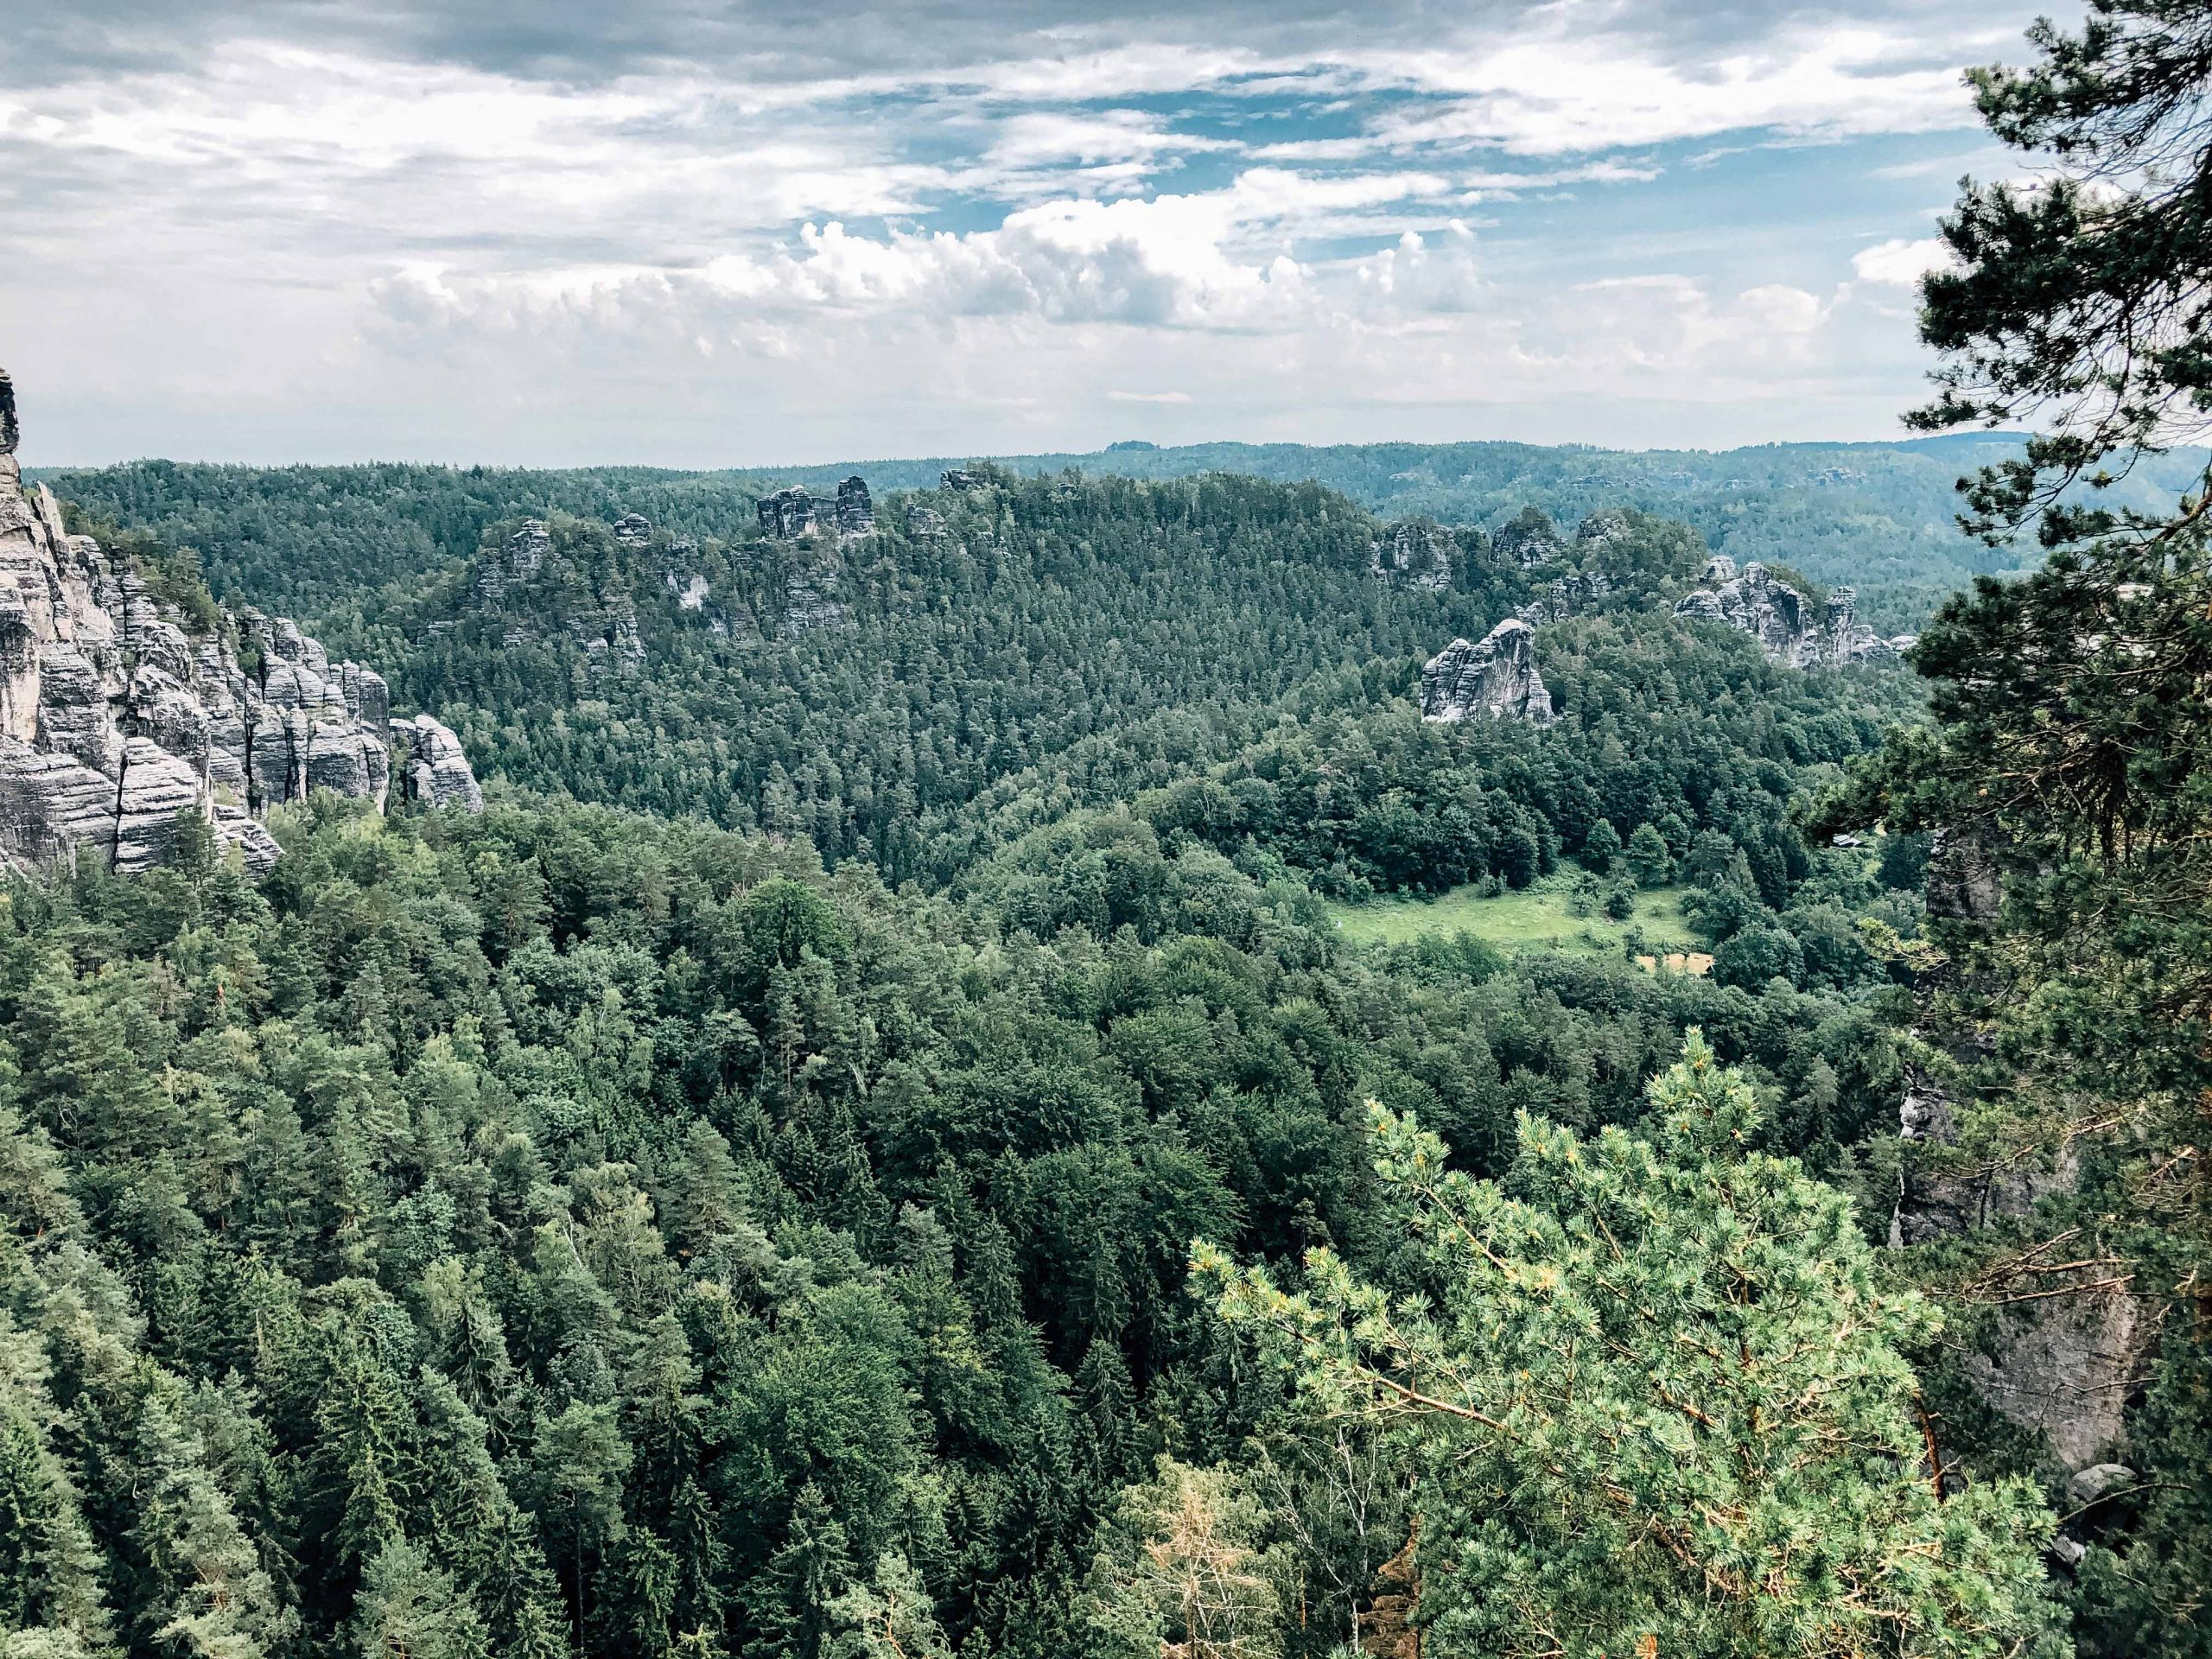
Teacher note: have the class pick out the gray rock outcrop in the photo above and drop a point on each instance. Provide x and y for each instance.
(1416, 554)
(855, 512)
(1528, 541)
(2064, 1357)
(1495, 678)
(633, 530)
(434, 769)
(113, 718)
(786, 514)
(1782, 620)
(959, 478)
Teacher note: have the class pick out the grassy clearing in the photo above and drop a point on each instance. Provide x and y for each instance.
(1536, 918)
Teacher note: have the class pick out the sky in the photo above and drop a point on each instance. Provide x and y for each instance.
(695, 234)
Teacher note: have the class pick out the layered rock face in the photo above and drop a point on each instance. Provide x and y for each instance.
(112, 719)
(791, 511)
(785, 514)
(2066, 1358)
(855, 512)
(435, 768)
(1416, 555)
(1496, 677)
(1781, 619)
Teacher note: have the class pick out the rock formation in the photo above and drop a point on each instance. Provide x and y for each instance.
(959, 478)
(435, 770)
(791, 511)
(1496, 677)
(786, 514)
(1781, 619)
(2064, 1359)
(113, 718)
(1528, 541)
(633, 530)
(1417, 554)
(855, 513)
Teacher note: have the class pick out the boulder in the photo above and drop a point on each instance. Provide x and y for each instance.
(1496, 677)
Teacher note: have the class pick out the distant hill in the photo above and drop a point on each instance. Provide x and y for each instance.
(315, 540)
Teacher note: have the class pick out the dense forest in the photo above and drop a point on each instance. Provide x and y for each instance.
(874, 1143)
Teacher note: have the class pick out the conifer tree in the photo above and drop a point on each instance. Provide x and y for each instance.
(1657, 1402)
(409, 1609)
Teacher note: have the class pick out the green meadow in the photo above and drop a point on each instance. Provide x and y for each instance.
(1540, 917)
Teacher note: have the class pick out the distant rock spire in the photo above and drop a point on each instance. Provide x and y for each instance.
(8, 432)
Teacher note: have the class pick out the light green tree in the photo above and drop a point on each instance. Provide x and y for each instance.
(409, 1609)
(1657, 1403)
(1188, 1571)
(889, 1617)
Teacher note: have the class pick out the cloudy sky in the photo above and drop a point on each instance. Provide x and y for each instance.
(702, 233)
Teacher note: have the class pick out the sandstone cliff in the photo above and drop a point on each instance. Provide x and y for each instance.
(1496, 677)
(113, 718)
(2066, 1356)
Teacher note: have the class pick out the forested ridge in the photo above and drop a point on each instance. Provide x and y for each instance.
(312, 541)
(874, 1143)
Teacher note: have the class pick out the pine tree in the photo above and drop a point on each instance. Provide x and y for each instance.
(888, 1617)
(1659, 1400)
(203, 1593)
(1189, 1571)
(789, 1601)
(407, 1609)
(50, 1568)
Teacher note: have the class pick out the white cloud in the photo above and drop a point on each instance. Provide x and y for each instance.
(1900, 263)
(1268, 214)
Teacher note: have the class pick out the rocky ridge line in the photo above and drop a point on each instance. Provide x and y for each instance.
(1761, 604)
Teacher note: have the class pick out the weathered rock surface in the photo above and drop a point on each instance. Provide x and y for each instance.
(855, 512)
(1495, 678)
(1416, 554)
(959, 478)
(113, 718)
(1782, 620)
(437, 770)
(787, 513)
(633, 530)
(2065, 1357)
(1528, 541)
